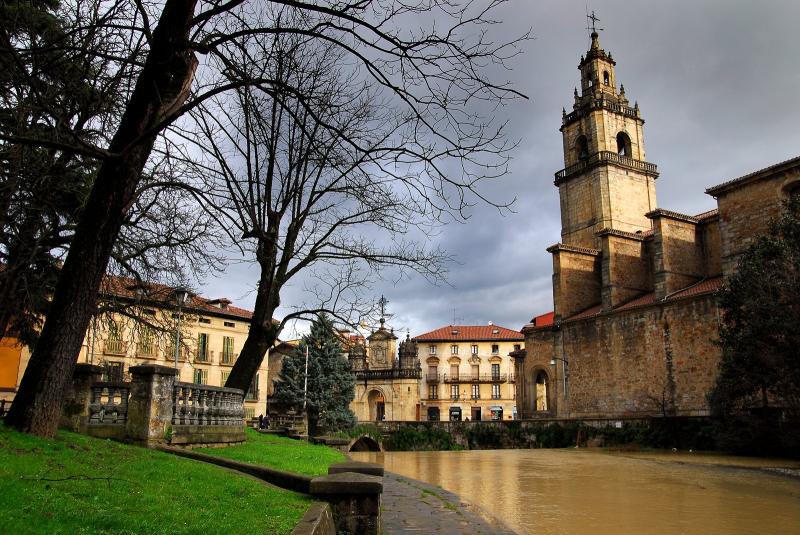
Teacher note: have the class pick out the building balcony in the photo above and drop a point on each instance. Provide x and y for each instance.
(432, 378)
(606, 157)
(228, 359)
(391, 373)
(476, 378)
(115, 347)
(169, 354)
(146, 351)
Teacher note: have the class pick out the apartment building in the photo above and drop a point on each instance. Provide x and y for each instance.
(142, 326)
(467, 372)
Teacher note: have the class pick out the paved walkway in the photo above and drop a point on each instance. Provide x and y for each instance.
(411, 506)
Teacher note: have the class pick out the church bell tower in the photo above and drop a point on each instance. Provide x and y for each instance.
(606, 182)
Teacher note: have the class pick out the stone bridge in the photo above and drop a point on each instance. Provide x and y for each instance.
(362, 443)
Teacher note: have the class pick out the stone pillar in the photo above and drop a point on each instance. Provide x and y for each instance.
(150, 405)
(75, 415)
(355, 499)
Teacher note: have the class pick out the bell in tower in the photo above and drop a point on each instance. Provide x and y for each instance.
(606, 182)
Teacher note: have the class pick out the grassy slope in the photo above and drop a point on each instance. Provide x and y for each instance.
(148, 492)
(281, 453)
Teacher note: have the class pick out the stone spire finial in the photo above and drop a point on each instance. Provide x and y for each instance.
(595, 41)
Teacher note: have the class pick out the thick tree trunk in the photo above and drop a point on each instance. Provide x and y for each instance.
(262, 335)
(162, 87)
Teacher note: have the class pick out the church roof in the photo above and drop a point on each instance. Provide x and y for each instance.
(470, 333)
(705, 286)
(786, 165)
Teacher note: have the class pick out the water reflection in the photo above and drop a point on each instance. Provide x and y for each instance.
(575, 492)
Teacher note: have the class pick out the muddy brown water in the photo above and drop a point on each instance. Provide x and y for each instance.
(558, 492)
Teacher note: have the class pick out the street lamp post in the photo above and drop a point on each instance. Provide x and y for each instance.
(181, 294)
(565, 366)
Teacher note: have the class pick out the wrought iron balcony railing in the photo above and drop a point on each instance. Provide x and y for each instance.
(476, 378)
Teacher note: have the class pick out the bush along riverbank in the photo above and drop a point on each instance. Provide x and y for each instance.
(680, 433)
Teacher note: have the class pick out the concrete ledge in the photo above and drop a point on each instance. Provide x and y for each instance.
(318, 520)
(279, 478)
(346, 483)
(206, 434)
(370, 469)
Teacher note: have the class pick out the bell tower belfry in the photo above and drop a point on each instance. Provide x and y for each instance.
(606, 182)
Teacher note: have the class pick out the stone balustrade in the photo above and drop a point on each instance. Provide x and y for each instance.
(195, 404)
(109, 402)
(153, 408)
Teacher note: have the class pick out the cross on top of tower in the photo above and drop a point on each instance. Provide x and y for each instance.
(382, 302)
(591, 23)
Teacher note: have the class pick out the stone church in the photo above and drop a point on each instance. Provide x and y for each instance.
(635, 314)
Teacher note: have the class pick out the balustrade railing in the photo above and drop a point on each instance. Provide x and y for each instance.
(195, 404)
(391, 373)
(601, 104)
(109, 403)
(606, 156)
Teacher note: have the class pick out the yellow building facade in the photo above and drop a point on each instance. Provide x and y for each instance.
(212, 332)
(467, 372)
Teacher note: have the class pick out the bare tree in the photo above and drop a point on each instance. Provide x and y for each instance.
(431, 72)
(328, 175)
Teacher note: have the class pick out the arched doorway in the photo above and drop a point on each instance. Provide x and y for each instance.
(377, 406)
(541, 385)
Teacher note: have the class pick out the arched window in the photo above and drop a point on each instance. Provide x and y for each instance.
(606, 78)
(623, 144)
(541, 391)
(582, 146)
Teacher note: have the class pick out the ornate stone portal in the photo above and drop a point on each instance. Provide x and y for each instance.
(387, 385)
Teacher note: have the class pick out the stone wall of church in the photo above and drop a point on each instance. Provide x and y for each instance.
(624, 363)
(576, 281)
(745, 214)
(626, 268)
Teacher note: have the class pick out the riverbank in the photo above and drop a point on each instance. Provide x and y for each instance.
(78, 484)
(410, 505)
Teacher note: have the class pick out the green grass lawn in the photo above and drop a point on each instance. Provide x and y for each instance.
(77, 484)
(281, 453)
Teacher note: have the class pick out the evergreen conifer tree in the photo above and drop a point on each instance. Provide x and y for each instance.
(756, 398)
(331, 386)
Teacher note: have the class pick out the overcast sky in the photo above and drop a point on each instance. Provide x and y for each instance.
(718, 84)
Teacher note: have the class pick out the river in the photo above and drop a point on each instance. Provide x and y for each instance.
(563, 492)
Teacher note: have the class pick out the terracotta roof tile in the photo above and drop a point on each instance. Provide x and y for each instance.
(467, 333)
(755, 175)
(702, 287)
(543, 320)
(162, 295)
(588, 313)
(705, 286)
(707, 215)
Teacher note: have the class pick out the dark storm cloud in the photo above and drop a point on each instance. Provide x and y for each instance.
(717, 83)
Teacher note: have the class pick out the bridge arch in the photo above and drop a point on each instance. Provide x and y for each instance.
(364, 443)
